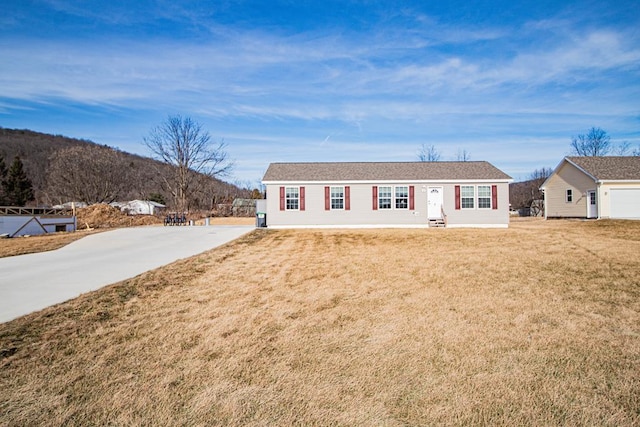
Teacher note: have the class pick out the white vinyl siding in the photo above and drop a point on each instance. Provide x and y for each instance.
(361, 214)
(568, 177)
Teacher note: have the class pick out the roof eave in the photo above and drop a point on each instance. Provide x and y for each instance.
(618, 181)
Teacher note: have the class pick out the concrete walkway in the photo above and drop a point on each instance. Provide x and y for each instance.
(32, 282)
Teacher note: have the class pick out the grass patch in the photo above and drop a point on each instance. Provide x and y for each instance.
(42, 243)
(538, 324)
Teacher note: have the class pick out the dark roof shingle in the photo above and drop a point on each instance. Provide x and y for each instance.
(610, 167)
(383, 171)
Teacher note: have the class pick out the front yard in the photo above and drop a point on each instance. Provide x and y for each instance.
(538, 324)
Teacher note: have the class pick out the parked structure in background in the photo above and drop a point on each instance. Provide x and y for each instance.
(594, 187)
(243, 207)
(20, 221)
(142, 207)
(71, 205)
(386, 194)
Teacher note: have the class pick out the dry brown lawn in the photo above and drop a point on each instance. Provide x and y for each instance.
(41, 243)
(535, 325)
(49, 242)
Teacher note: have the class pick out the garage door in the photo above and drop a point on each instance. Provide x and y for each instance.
(625, 203)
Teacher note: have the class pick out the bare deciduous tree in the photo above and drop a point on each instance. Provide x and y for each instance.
(540, 175)
(463, 155)
(184, 144)
(428, 153)
(622, 149)
(88, 174)
(595, 143)
(527, 194)
(537, 178)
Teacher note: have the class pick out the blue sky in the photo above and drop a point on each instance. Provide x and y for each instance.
(510, 82)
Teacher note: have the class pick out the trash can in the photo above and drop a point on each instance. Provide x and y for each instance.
(261, 219)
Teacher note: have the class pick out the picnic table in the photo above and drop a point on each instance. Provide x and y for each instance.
(175, 218)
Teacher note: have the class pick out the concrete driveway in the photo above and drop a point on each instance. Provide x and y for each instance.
(32, 282)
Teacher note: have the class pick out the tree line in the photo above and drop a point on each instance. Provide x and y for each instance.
(63, 169)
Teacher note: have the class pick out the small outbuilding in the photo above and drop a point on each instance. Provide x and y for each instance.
(20, 221)
(594, 187)
(386, 194)
(142, 207)
(243, 207)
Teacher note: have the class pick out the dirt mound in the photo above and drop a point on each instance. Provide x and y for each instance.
(105, 216)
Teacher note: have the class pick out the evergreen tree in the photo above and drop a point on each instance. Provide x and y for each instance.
(3, 180)
(157, 197)
(17, 187)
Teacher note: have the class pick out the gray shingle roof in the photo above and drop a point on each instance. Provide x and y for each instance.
(610, 167)
(383, 171)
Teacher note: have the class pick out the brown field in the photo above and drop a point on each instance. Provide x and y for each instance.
(535, 325)
(41, 243)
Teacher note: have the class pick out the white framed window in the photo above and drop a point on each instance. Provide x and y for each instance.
(569, 196)
(484, 197)
(384, 197)
(337, 198)
(402, 197)
(467, 196)
(292, 198)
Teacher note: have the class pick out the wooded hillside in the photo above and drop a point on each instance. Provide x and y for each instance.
(64, 169)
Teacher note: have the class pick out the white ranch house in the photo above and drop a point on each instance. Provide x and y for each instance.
(386, 194)
(594, 187)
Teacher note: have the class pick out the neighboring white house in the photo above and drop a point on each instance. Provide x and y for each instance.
(141, 207)
(594, 187)
(71, 205)
(386, 194)
(18, 221)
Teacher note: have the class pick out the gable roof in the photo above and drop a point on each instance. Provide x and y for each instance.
(615, 168)
(382, 171)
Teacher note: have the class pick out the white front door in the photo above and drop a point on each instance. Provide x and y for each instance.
(434, 202)
(592, 205)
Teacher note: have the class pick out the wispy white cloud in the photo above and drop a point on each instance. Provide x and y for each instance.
(428, 81)
(248, 65)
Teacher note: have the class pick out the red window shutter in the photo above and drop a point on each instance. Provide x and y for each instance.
(327, 198)
(281, 198)
(375, 197)
(301, 198)
(347, 198)
(494, 197)
(457, 197)
(412, 193)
